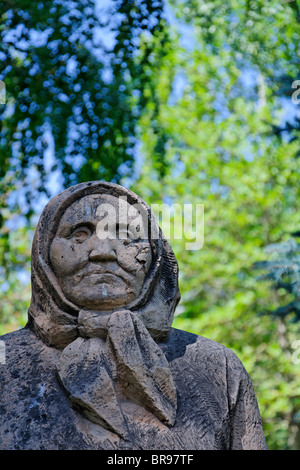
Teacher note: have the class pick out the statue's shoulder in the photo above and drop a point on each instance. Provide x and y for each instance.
(20, 351)
(200, 350)
(21, 338)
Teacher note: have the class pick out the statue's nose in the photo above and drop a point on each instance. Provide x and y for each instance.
(104, 251)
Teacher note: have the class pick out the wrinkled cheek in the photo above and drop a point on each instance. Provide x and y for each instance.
(135, 258)
(66, 258)
(144, 257)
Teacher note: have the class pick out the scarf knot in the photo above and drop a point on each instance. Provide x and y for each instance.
(97, 373)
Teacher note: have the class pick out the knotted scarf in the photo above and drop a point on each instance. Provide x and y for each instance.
(99, 374)
(106, 360)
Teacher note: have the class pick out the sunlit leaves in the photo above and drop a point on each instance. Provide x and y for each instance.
(221, 151)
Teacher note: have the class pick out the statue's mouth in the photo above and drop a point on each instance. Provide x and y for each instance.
(101, 276)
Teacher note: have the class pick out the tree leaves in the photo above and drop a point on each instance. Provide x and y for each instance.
(63, 80)
(221, 151)
(75, 74)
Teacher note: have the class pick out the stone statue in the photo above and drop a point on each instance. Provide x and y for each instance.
(98, 365)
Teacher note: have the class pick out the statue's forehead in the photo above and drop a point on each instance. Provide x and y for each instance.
(89, 208)
(86, 207)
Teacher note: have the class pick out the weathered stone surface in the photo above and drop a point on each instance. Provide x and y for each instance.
(142, 366)
(98, 365)
(216, 408)
(85, 372)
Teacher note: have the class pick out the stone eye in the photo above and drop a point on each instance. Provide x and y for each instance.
(126, 235)
(81, 234)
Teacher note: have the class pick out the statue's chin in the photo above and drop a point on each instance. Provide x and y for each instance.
(100, 296)
(102, 305)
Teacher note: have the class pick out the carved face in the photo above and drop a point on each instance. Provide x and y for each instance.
(100, 263)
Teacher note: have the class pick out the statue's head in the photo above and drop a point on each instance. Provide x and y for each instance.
(99, 260)
(98, 249)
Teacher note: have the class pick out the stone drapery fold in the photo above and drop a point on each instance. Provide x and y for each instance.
(98, 374)
(89, 340)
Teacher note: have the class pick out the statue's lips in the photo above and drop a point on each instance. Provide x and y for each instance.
(101, 276)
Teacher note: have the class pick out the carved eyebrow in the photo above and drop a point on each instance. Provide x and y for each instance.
(69, 230)
(88, 225)
(123, 227)
(130, 233)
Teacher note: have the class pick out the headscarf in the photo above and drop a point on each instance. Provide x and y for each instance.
(92, 366)
(53, 317)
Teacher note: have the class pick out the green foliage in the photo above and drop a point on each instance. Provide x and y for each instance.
(203, 97)
(64, 78)
(220, 149)
(282, 269)
(75, 81)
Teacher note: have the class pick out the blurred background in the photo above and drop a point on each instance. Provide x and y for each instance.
(182, 101)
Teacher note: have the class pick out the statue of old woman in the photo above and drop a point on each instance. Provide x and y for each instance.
(98, 365)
